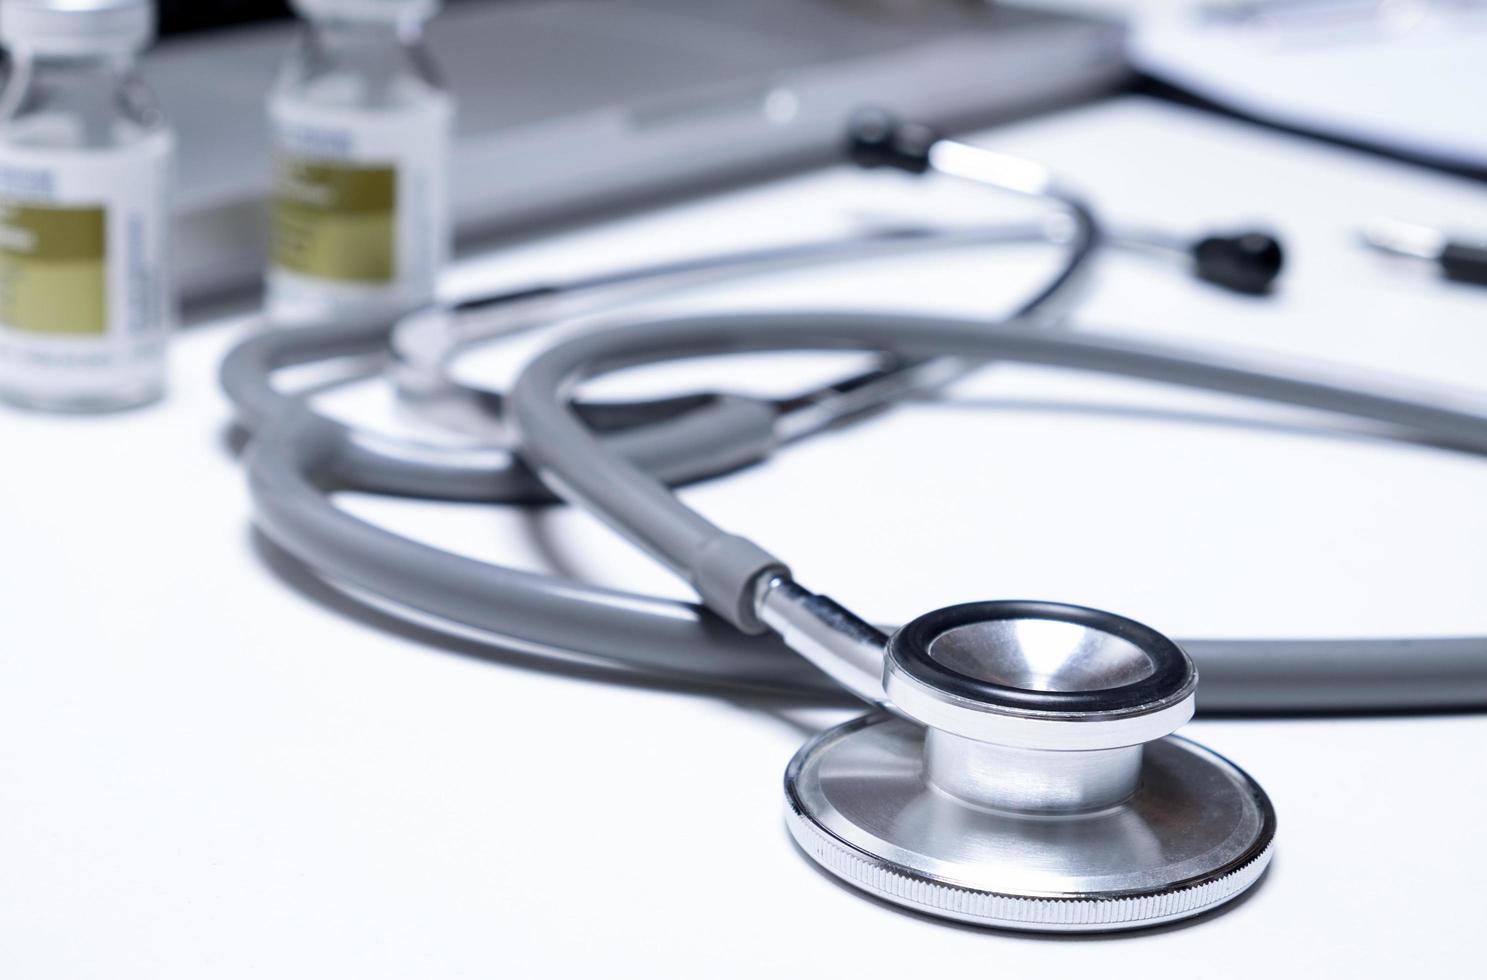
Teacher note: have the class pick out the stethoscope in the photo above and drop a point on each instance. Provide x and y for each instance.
(1020, 771)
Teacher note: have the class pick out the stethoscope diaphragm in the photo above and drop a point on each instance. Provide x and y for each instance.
(1041, 787)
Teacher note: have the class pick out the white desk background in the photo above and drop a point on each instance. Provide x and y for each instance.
(211, 766)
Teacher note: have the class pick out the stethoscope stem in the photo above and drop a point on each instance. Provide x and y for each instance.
(833, 638)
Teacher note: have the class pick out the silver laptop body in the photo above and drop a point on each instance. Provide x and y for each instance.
(566, 106)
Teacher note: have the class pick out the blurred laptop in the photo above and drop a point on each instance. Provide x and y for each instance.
(567, 106)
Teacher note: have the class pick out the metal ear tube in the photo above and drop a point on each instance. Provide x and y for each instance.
(1246, 262)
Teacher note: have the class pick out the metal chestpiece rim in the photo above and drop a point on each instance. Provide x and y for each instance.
(1155, 701)
(1043, 792)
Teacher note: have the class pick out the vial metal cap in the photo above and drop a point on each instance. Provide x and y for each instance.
(389, 11)
(76, 27)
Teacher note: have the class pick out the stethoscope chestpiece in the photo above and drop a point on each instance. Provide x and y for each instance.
(1044, 790)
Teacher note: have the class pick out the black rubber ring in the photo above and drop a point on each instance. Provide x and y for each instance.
(1172, 670)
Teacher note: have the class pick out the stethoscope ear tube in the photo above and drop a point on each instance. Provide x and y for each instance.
(681, 440)
(291, 464)
(296, 456)
(711, 437)
(1442, 672)
(1281, 676)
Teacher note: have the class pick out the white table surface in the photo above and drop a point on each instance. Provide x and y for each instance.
(213, 766)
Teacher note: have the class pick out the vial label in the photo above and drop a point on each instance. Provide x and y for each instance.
(53, 269)
(84, 294)
(360, 209)
(333, 221)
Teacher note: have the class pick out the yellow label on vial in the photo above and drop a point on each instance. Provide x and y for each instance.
(53, 269)
(335, 221)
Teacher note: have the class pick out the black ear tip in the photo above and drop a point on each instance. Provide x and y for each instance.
(1245, 263)
(870, 134)
(875, 138)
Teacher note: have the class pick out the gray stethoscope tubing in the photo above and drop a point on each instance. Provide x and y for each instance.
(298, 455)
(427, 386)
(425, 345)
(724, 431)
(716, 435)
(750, 588)
(291, 464)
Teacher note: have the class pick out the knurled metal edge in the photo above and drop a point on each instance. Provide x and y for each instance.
(1064, 914)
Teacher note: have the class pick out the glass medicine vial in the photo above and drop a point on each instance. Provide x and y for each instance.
(85, 158)
(361, 125)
